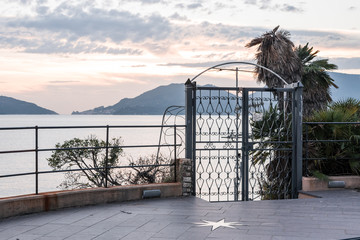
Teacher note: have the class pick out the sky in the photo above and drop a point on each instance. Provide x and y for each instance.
(76, 55)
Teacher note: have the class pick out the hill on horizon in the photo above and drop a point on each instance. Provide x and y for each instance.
(155, 101)
(10, 105)
(349, 85)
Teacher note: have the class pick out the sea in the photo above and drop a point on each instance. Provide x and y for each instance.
(16, 163)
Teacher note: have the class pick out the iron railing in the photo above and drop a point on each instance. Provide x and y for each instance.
(36, 150)
(337, 140)
(307, 141)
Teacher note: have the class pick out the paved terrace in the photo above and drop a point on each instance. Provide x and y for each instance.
(335, 216)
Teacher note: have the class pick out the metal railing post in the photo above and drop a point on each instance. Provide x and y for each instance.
(294, 146)
(175, 152)
(190, 128)
(36, 160)
(107, 156)
(245, 152)
(188, 119)
(306, 149)
(297, 140)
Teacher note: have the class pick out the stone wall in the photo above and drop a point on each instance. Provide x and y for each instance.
(183, 175)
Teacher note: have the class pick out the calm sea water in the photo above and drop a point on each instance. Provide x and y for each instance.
(25, 139)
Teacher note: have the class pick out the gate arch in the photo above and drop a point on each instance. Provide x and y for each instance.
(245, 143)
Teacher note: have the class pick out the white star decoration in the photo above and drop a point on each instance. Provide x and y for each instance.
(218, 224)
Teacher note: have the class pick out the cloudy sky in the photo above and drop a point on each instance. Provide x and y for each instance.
(76, 55)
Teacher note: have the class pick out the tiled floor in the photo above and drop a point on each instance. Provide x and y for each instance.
(336, 216)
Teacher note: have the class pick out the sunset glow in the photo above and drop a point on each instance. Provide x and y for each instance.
(76, 55)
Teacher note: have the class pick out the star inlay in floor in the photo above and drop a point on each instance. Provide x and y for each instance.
(218, 224)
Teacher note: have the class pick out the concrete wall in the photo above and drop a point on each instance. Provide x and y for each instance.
(74, 198)
(313, 184)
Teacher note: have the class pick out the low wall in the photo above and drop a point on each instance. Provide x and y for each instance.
(314, 184)
(19, 205)
(74, 198)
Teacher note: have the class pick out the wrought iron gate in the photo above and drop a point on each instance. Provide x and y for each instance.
(245, 142)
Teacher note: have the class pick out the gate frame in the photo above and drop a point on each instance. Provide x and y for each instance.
(190, 136)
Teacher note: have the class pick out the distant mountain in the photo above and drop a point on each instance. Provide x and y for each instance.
(153, 102)
(10, 105)
(349, 86)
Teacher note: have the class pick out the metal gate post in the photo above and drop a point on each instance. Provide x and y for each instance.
(296, 181)
(299, 134)
(190, 127)
(244, 148)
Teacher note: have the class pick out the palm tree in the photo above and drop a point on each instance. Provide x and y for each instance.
(276, 52)
(316, 80)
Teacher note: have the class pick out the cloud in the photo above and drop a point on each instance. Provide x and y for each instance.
(223, 32)
(150, 1)
(205, 64)
(176, 16)
(63, 82)
(53, 46)
(98, 24)
(267, 4)
(180, 5)
(251, 2)
(194, 6)
(87, 29)
(262, 4)
(74, 24)
(23, 2)
(156, 47)
(326, 39)
(290, 8)
(138, 66)
(220, 5)
(220, 56)
(42, 10)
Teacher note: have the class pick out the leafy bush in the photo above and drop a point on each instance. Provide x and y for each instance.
(272, 134)
(86, 164)
(339, 154)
